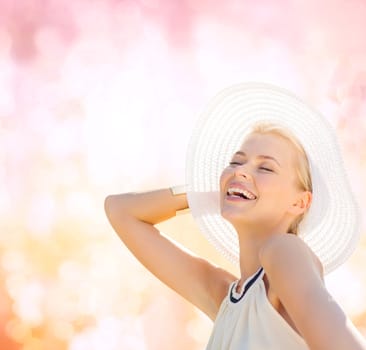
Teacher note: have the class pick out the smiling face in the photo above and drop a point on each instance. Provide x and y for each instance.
(265, 165)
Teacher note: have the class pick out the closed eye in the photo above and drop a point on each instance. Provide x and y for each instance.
(266, 169)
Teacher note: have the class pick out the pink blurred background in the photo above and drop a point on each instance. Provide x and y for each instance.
(99, 97)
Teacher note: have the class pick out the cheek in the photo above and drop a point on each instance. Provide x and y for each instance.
(273, 187)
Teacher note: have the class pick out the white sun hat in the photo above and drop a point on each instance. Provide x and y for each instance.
(331, 227)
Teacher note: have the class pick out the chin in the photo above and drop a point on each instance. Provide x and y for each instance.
(233, 216)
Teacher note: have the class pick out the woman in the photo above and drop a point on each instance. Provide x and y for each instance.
(266, 185)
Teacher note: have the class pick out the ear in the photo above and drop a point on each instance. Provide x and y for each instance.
(301, 203)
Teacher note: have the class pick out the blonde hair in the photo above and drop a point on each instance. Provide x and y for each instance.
(302, 163)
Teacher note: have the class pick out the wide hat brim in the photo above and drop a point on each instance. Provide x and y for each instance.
(331, 227)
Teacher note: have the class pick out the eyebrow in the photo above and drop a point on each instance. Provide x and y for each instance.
(241, 153)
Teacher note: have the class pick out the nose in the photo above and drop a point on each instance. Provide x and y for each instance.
(242, 171)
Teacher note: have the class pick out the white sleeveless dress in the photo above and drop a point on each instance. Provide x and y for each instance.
(248, 321)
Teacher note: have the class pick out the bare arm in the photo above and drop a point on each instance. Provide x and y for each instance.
(133, 216)
(151, 207)
(295, 279)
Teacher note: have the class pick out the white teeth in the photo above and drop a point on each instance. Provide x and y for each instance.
(245, 193)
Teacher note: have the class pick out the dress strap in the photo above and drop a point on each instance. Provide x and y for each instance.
(236, 297)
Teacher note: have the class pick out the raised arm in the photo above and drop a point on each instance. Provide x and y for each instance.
(295, 278)
(133, 216)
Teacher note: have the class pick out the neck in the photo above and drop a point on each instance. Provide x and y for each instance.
(250, 243)
(249, 255)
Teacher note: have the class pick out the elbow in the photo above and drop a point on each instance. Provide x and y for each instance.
(115, 206)
(109, 206)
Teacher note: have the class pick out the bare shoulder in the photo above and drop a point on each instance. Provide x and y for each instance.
(294, 275)
(289, 255)
(295, 278)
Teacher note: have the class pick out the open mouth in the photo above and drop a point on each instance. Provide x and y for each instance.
(238, 193)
